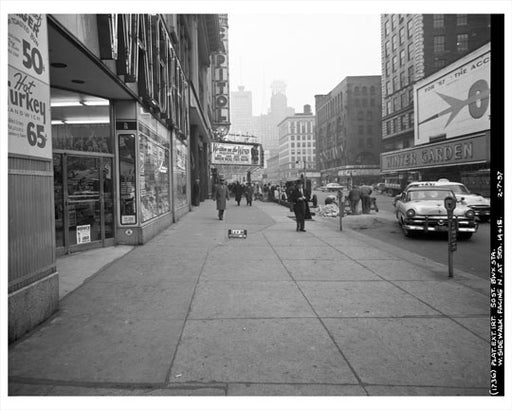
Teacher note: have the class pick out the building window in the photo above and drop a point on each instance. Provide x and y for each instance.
(365, 91)
(388, 127)
(395, 124)
(396, 103)
(462, 19)
(360, 115)
(438, 44)
(389, 90)
(395, 83)
(438, 20)
(409, 52)
(393, 64)
(356, 91)
(411, 119)
(372, 90)
(387, 68)
(410, 74)
(360, 130)
(393, 21)
(402, 58)
(409, 28)
(462, 42)
(292, 138)
(389, 106)
(403, 82)
(404, 100)
(394, 43)
(388, 51)
(402, 35)
(439, 63)
(292, 144)
(365, 102)
(403, 120)
(386, 28)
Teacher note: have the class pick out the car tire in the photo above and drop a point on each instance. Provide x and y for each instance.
(464, 236)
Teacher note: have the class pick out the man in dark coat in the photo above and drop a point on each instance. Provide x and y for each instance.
(365, 198)
(196, 193)
(239, 191)
(220, 195)
(354, 196)
(298, 199)
(249, 192)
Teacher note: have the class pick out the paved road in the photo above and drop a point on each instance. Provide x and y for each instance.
(471, 256)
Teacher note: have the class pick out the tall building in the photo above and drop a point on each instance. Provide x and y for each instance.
(241, 111)
(348, 131)
(415, 46)
(297, 144)
(266, 125)
(134, 100)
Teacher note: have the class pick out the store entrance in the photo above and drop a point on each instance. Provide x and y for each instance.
(83, 202)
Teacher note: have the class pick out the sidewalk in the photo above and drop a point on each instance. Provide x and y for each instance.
(281, 313)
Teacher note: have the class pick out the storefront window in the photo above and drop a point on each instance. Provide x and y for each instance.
(127, 179)
(80, 122)
(153, 177)
(181, 173)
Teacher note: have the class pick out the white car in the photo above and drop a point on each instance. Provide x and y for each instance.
(333, 186)
(421, 209)
(479, 204)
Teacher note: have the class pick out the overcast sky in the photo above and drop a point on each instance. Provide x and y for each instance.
(311, 53)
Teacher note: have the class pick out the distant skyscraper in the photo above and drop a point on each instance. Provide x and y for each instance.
(241, 111)
(266, 125)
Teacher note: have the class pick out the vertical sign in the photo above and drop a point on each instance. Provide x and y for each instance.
(221, 81)
(29, 89)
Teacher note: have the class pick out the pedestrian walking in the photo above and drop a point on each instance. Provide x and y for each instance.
(298, 200)
(196, 192)
(249, 192)
(365, 198)
(239, 191)
(354, 196)
(221, 195)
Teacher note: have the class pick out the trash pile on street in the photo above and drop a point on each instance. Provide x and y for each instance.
(328, 210)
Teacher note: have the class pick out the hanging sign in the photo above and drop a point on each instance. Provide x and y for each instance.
(29, 127)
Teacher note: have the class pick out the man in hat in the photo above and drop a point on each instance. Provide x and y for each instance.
(221, 195)
(299, 201)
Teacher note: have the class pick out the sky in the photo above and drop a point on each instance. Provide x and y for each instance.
(311, 53)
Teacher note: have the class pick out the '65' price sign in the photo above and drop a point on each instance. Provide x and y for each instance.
(28, 86)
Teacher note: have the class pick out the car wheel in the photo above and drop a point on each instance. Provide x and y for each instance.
(464, 236)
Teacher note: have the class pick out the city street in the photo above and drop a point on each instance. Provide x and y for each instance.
(471, 256)
(320, 313)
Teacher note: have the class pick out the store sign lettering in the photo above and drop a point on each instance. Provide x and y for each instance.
(469, 150)
(221, 83)
(28, 86)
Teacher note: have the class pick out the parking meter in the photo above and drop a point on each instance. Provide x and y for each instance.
(450, 203)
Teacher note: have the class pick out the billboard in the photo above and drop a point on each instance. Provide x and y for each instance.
(232, 153)
(455, 101)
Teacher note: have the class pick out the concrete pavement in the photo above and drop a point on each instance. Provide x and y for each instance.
(281, 313)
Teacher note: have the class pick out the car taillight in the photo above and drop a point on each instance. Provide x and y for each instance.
(410, 213)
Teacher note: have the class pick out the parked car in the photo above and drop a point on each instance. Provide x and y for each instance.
(331, 187)
(478, 203)
(421, 209)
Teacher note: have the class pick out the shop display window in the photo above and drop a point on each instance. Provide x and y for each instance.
(181, 151)
(127, 179)
(153, 178)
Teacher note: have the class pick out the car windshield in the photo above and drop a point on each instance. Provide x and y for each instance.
(457, 189)
(428, 195)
